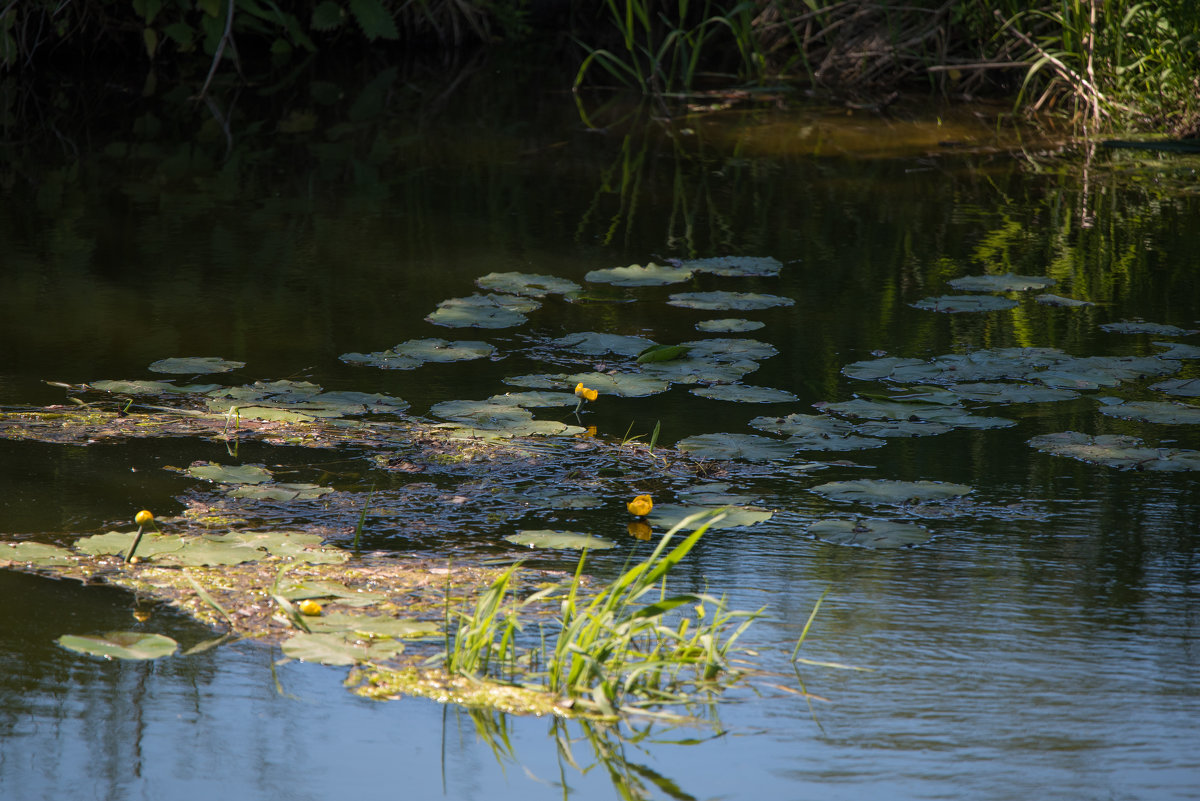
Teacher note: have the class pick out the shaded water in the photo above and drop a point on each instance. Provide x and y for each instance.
(1042, 643)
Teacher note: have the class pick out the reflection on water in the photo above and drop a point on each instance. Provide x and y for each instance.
(1045, 638)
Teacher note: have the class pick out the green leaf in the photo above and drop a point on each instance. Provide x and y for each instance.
(36, 553)
(957, 304)
(662, 353)
(750, 447)
(884, 491)
(722, 301)
(637, 275)
(528, 284)
(594, 344)
(1000, 283)
(1115, 450)
(327, 16)
(545, 538)
(118, 542)
(187, 365)
(335, 648)
(728, 325)
(669, 515)
(742, 393)
(230, 474)
(374, 19)
(120, 645)
(867, 533)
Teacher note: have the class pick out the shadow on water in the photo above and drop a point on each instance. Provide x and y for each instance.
(1044, 638)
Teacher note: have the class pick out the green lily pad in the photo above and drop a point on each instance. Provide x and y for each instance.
(728, 301)
(957, 304)
(736, 266)
(1094, 372)
(817, 432)
(901, 428)
(953, 416)
(594, 344)
(271, 414)
(1010, 393)
(36, 553)
(149, 387)
(347, 402)
(1116, 450)
(115, 543)
(187, 365)
(726, 349)
(206, 552)
(528, 284)
(304, 590)
(700, 371)
(1154, 412)
(662, 353)
(374, 625)
(1057, 300)
(625, 385)
(742, 393)
(415, 352)
(728, 325)
(750, 447)
(1178, 350)
(563, 540)
(534, 400)
(337, 648)
(1140, 327)
(120, 645)
(868, 533)
(482, 311)
(885, 491)
(636, 275)
(279, 492)
(1185, 387)
(982, 365)
(1000, 283)
(482, 414)
(230, 474)
(669, 515)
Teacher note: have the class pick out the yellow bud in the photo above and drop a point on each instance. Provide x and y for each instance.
(309, 607)
(143, 517)
(640, 506)
(585, 393)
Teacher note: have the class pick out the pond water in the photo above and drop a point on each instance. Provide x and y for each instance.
(1043, 641)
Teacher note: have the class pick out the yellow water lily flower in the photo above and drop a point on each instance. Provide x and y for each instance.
(309, 607)
(640, 506)
(585, 393)
(143, 517)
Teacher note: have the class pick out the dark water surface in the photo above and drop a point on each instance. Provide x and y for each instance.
(1042, 644)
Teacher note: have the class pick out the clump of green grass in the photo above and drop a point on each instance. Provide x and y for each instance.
(628, 645)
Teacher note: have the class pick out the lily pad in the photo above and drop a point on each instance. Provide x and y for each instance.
(562, 540)
(483, 414)
(741, 393)
(1154, 412)
(1185, 387)
(953, 416)
(1140, 327)
(869, 533)
(416, 352)
(528, 284)
(700, 371)
(303, 590)
(729, 325)
(1000, 283)
(482, 311)
(736, 266)
(981, 365)
(901, 428)
(534, 400)
(203, 551)
(230, 474)
(36, 553)
(750, 447)
(662, 353)
(1178, 350)
(137, 645)
(625, 385)
(957, 304)
(669, 515)
(1116, 450)
(113, 543)
(989, 392)
(336, 648)
(1094, 372)
(187, 365)
(279, 492)
(150, 387)
(726, 349)
(595, 344)
(885, 491)
(374, 625)
(728, 301)
(1057, 300)
(636, 275)
(817, 432)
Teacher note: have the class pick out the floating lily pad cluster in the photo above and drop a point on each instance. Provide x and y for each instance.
(1008, 282)
(416, 352)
